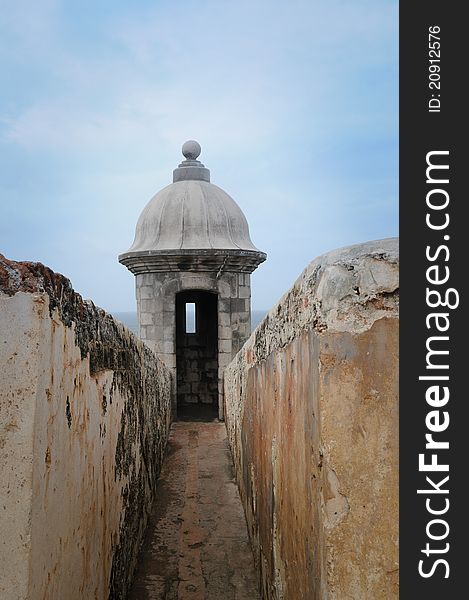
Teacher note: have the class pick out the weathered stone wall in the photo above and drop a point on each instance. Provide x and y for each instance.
(197, 352)
(156, 304)
(311, 408)
(84, 418)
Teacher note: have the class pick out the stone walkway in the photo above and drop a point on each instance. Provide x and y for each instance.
(197, 545)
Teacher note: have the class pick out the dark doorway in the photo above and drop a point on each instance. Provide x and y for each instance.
(197, 355)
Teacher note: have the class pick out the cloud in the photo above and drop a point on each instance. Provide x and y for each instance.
(295, 105)
(233, 72)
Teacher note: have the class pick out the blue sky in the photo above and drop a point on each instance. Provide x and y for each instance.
(294, 104)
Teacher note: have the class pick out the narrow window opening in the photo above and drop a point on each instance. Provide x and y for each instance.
(190, 317)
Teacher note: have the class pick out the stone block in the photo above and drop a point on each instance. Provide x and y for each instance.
(224, 333)
(148, 305)
(244, 330)
(199, 388)
(168, 333)
(224, 289)
(148, 332)
(169, 320)
(244, 291)
(168, 347)
(146, 319)
(224, 305)
(145, 292)
(184, 388)
(211, 375)
(192, 377)
(224, 346)
(158, 332)
(146, 279)
(224, 358)
(239, 305)
(224, 319)
(157, 345)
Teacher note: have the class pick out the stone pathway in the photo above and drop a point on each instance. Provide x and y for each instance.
(197, 546)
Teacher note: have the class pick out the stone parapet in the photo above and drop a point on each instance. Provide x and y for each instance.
(311, 409)
(84, 419)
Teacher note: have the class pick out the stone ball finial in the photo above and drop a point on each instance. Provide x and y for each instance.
(191, 150)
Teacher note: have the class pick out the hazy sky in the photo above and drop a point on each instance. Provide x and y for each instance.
(294, 104)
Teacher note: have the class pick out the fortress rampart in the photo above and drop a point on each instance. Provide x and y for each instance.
(84, 418)
(311, 409)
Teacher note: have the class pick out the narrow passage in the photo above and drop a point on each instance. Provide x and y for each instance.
(196, 547)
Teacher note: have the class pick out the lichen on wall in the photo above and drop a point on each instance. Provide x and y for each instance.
(84, 420)
(311, 408)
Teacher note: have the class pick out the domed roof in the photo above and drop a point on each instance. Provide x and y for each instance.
(192, 216)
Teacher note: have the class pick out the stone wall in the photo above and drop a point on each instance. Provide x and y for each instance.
(311, 408)
(156, 304)
(197, 352)
(84, 419)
